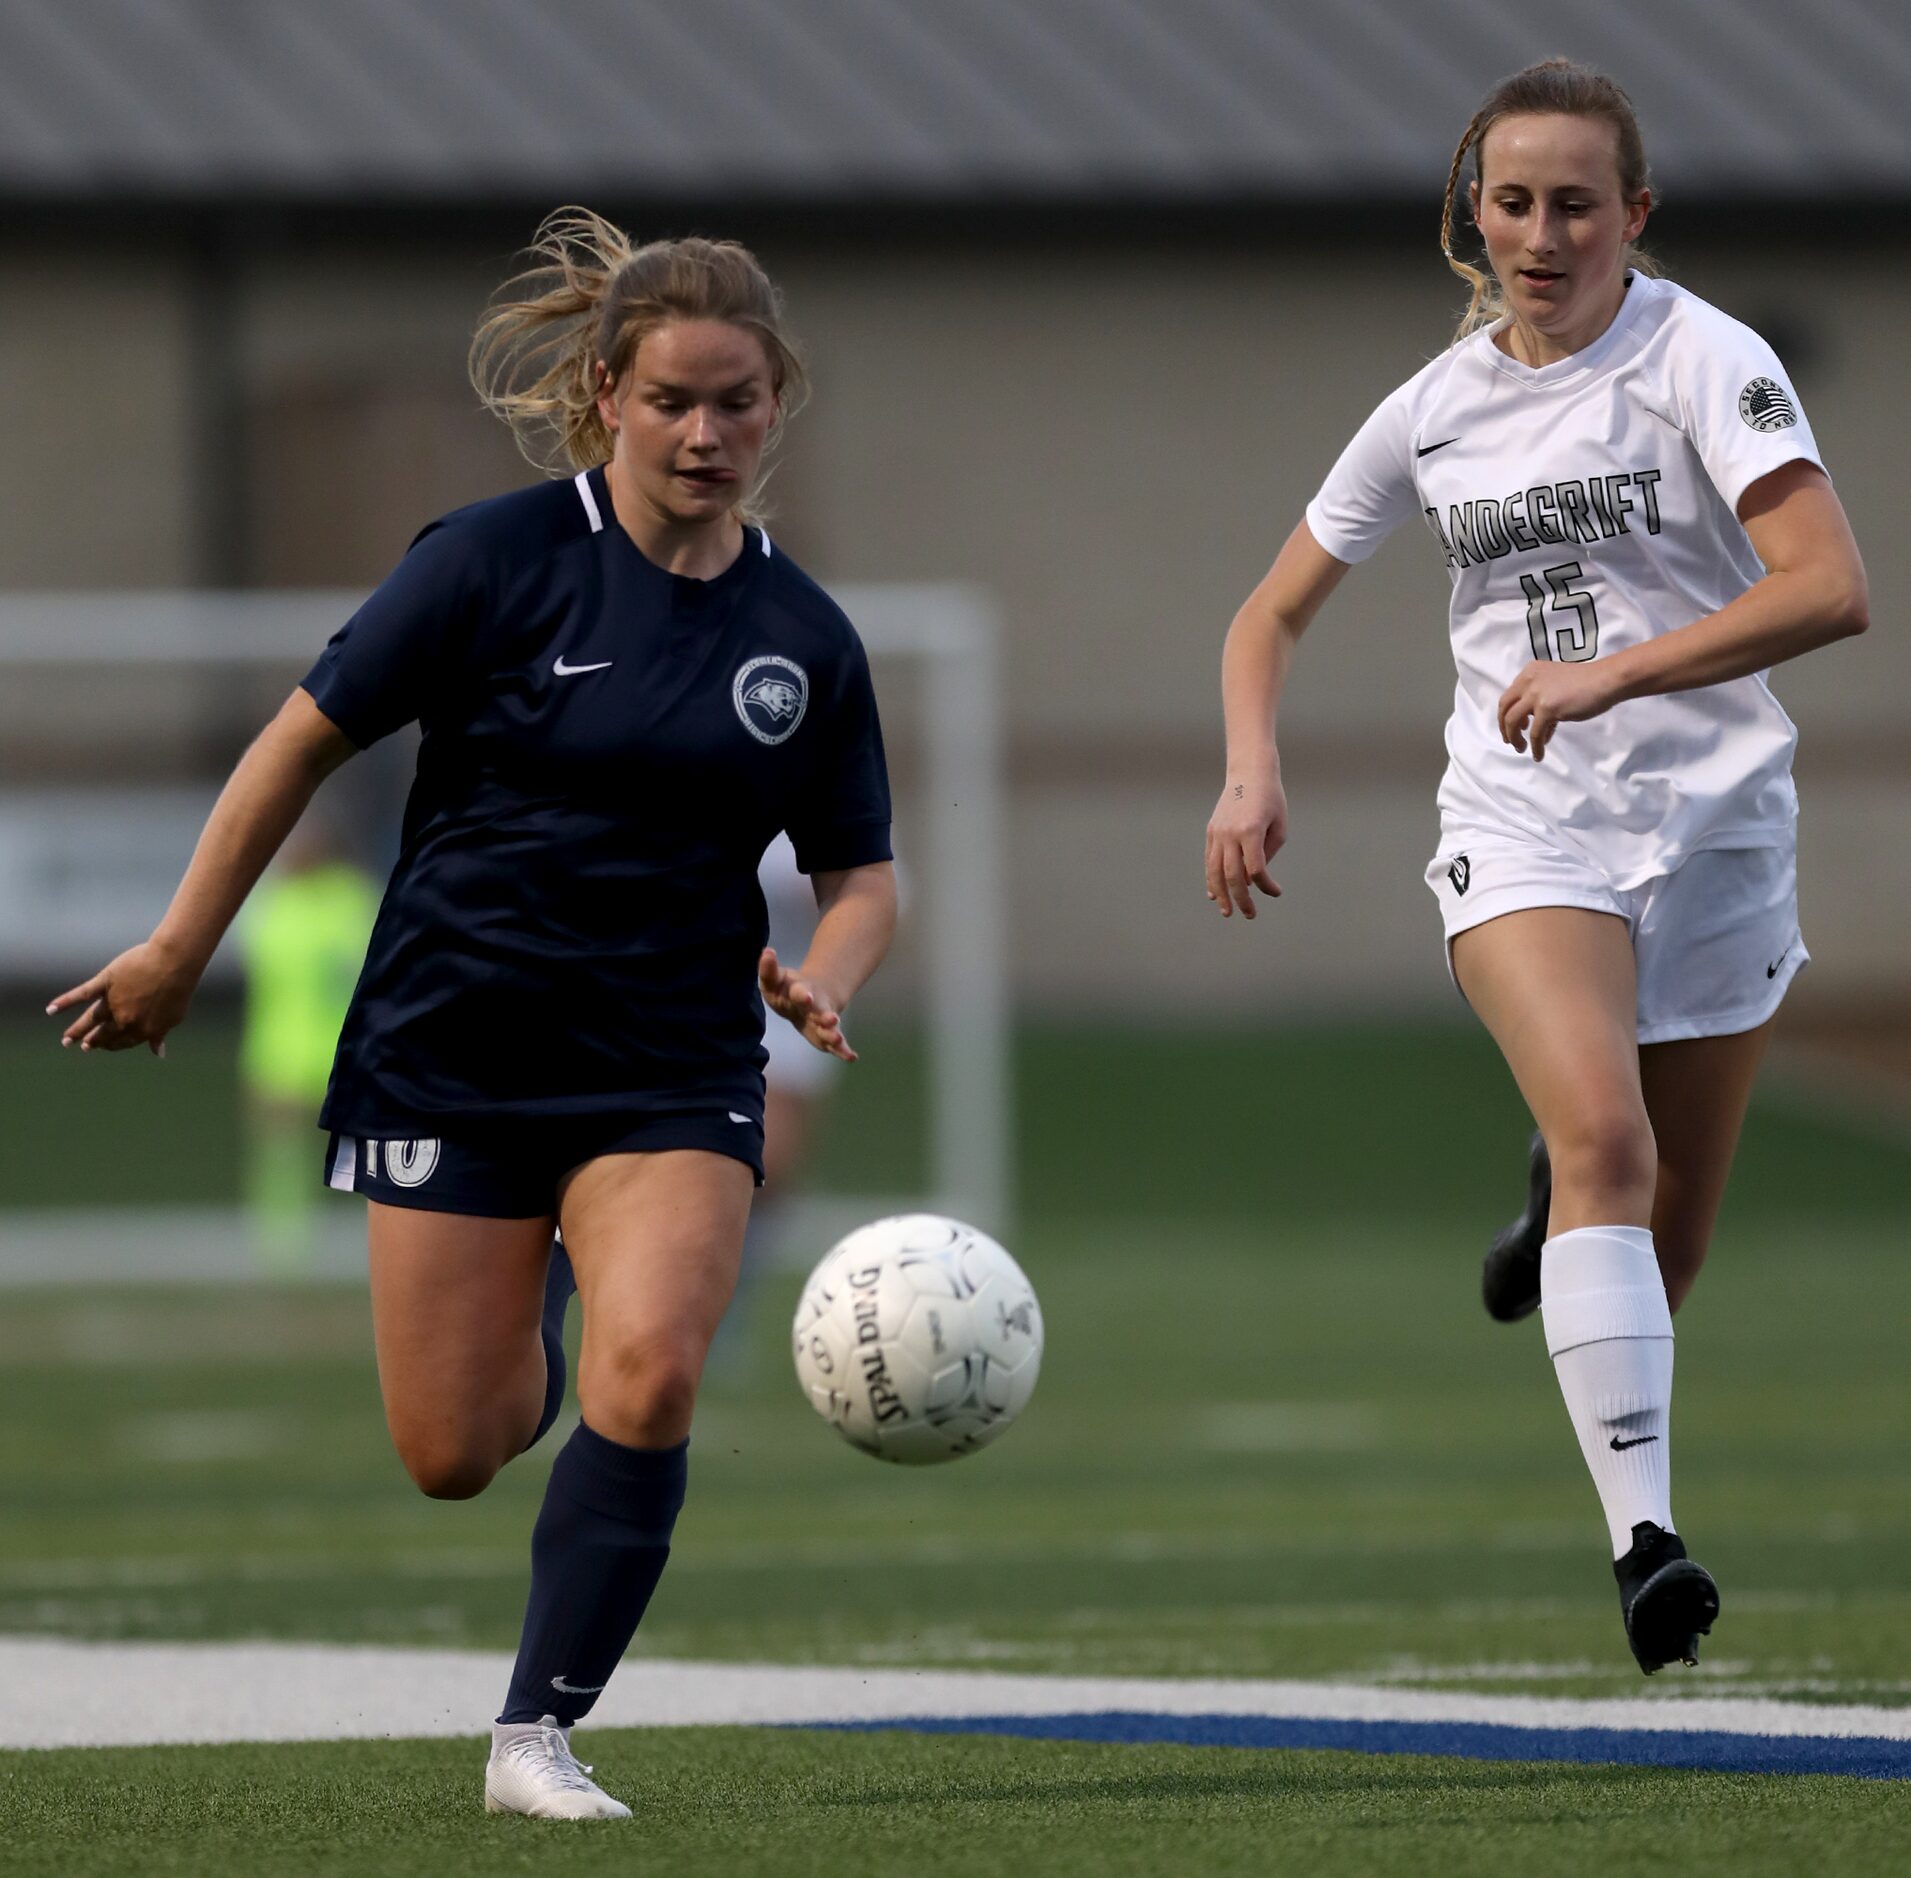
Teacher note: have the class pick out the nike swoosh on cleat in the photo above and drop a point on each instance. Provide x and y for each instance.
(1638, 1441)
(571, 1688)
(571, 671)
(1430, 448)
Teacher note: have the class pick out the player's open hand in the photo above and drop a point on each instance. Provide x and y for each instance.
(1547, 694)
(805, 1005)
(136, 999)
(1245, 832)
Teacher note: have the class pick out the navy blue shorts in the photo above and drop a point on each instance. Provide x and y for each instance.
(512, 1170)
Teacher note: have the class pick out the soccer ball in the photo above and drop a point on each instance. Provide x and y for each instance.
(918, 1339)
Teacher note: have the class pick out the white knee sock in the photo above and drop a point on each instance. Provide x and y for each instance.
(1609, 1333)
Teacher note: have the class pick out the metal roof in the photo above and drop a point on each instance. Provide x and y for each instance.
(827, 100)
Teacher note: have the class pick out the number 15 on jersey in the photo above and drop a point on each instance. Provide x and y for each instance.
(1573, 639)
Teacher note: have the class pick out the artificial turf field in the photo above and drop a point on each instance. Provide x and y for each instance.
(735, 1803)
(1275, 1436)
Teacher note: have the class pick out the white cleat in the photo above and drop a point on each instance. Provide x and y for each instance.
(532, 1770)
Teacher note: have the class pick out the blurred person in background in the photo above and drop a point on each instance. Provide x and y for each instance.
(798, 1080)
(625, 693)
(797, 1084)
(302, 939)
(1636, 525)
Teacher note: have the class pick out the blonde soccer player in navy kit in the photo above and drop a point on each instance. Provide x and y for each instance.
(1621, 485)
(626, 692)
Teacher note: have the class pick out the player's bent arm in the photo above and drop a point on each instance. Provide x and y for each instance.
(1249, 823)
(856, 919)
(1813, 592)
(144, 992)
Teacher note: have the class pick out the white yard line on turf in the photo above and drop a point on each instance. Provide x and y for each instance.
(162, 1245)
(55, 1693)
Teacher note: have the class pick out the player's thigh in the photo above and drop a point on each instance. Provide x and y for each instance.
(1556, 988)
(456, 1308)
(789, 1117)
(1696, 1092)
(655, 1240)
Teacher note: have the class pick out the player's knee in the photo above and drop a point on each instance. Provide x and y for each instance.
(1606, 1152)
(447, 1469)
(642, 1389)
(452, 1477)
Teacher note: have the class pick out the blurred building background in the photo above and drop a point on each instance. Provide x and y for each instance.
(1094, 292)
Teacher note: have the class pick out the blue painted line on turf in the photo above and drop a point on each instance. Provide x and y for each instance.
(1866, 1758)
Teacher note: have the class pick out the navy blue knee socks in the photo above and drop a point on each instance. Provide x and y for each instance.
(597, 1551)
(559, 1285)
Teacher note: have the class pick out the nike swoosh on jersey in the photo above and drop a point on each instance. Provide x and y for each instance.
(1429, 450)
(571, 671)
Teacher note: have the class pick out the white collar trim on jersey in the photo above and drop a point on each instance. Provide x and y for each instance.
(1586, 359)
(583, 481)
(589, 497)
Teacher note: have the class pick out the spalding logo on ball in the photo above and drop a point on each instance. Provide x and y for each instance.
(918, 1339)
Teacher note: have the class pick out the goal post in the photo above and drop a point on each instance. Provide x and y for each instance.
(950, 633)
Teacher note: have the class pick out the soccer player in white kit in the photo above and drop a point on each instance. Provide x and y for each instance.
(1636, 525)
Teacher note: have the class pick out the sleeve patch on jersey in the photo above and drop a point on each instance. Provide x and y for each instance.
(1765, 405)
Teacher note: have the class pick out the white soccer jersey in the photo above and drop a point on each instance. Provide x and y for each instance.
(1583, 507)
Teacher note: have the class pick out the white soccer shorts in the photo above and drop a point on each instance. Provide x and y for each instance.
(1716, 941)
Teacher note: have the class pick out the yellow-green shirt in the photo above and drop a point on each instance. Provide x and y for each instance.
(302, 939)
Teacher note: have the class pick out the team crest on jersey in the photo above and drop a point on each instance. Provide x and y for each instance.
(410, 1163)
(771, 694)
(1765, 405)
(1460, 873)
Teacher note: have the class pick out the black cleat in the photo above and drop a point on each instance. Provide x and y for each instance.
(1669, 1600)
(1509, 1279)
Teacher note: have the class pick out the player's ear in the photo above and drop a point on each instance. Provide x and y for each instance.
(606, 395)
(1636, 212)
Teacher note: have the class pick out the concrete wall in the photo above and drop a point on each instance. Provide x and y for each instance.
(94, 383)
(1115, 444)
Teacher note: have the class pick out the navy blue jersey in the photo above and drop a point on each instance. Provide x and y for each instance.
(574, 921)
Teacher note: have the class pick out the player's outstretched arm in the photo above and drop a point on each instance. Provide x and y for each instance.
(857, 908)
(144, 992)
(1249, 823)
(1813, 592)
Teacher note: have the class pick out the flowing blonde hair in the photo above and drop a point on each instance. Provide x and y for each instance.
(588, 300)
(1552, 88)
